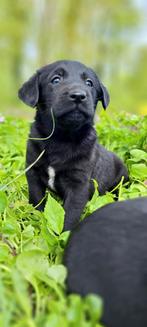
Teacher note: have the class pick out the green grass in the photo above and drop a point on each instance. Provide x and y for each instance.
(32, 277)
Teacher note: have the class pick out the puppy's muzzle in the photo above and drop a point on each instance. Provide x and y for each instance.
(77, 96)
(75, 107)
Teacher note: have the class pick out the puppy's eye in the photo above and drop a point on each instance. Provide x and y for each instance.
(89, 82)
(56, 79)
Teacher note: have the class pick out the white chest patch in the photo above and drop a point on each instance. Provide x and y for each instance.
(51, 180)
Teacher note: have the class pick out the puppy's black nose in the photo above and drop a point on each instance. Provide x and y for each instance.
(77, 96)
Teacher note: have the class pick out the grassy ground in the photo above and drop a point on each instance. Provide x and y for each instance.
(32, 277)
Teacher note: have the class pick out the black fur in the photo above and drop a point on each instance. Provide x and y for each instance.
(107, 255)
(72, 91)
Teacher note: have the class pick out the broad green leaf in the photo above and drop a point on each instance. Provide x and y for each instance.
(99, 202)
(54, 214)
(138, 155)
(4, 252)
(139, 171)
(63, 238)
(50, 238)
(10, 227)
(75, 313)
(32, 263)
(140, 188)
(55, 320)
(58, 273)
(21, 291)
(35, 264)
(28, 232)
(94, 306)
(6, 306)
(3, 201)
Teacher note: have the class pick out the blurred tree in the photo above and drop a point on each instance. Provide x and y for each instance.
(137, 82)
(98, 33)
(13, 31)
(95, 31)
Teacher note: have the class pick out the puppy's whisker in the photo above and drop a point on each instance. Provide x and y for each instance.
(49, 136)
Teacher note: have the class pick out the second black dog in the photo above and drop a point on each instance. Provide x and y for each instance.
(106, 255)
(72, 155)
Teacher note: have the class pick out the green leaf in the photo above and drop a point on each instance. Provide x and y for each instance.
(94, 306)
(32, 263)
(57, 273)
(138, 155)
(139, 171)
(96, 193)
(4, 252)
(55, 320)
(63, 238)
(99, 202)
(28, 232)
(54, 214)
(75, 312)
(21, 291)
(10, 227)
(3, 201)
(50, 238)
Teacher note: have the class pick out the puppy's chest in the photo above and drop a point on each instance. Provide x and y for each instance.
(56, 162)
(51, 178)
(55, 171)
(57, 175)
(63, 166)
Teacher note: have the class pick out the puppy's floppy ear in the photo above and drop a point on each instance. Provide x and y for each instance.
(29, 92)
(105, 98)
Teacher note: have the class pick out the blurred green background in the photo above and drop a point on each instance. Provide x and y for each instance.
(108, 35)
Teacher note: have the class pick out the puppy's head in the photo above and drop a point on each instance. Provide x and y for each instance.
(70, 88)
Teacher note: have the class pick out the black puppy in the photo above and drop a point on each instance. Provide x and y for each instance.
(72, 155)
(107, 255)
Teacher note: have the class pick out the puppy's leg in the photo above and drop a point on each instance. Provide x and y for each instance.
(36, 189)
(119, 172)
(74, 204)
